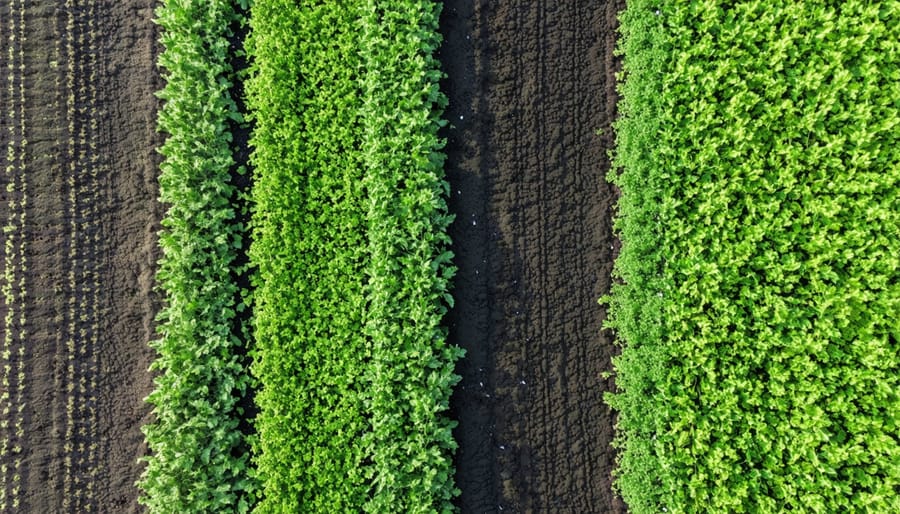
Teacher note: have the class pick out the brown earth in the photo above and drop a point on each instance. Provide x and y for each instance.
(530, 83)
(86, 183)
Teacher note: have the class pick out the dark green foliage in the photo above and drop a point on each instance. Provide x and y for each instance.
(196, 462)
(409, 272)
(760, 165)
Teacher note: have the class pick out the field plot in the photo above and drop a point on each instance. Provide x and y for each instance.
(196, 461)
(760, 257)
(79, 211)
(530, 83)
(352, 363)
(395, 309)
(78, 199)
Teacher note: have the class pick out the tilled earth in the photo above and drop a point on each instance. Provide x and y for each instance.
(530, 84)
(79, 189)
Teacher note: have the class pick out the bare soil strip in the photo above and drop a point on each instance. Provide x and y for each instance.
(80, 220)
(128, 215)
(530, 84)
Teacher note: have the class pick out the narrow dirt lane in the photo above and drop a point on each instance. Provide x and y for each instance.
(530, 84)
(79, 194)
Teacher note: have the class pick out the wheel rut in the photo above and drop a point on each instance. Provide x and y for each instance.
(530, 85)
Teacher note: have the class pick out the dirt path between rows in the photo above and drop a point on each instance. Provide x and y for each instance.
(530, 83)
(83, 195)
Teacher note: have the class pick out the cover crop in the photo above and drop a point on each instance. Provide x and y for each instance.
(353, 268)
(198, 460)
(759, 151)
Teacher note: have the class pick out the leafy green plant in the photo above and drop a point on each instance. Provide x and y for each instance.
(310, 250)
(758, 155)
(353, 270)
(198, 460)
(411, 369)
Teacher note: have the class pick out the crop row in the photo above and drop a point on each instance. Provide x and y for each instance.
(81, 317)
(14, 263)
(353, 269)
(198, 460)
(758, 155)
(410, 374)
(72, 162)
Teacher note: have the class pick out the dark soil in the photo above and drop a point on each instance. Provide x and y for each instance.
(241, 177)
(530, 84)
(91, 218)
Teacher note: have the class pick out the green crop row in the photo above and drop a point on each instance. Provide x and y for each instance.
(198, 461)
(353, 269)
(309, 247)
(759, 158)
(410, 374)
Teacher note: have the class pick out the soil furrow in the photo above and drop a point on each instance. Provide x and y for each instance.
(45, 281)
(533, 83)
(469, 321)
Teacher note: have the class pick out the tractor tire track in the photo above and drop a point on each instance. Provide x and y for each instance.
(530, 84)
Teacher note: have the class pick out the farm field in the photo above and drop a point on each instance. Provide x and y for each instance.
(80, 215)
(81, 262)
(476, 256)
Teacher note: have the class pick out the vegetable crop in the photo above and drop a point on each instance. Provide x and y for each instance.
(411, 370)
(349, 241)
(198, 460)
(309, 247)
(759, 151)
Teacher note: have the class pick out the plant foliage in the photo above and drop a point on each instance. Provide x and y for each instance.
(309, 247)
(759, 150)
(349, 241)
(197, 462)
(410, 375)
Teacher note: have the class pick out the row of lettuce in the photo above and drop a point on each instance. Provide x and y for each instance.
(349, 367)
(349, 237)
(759, 164)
